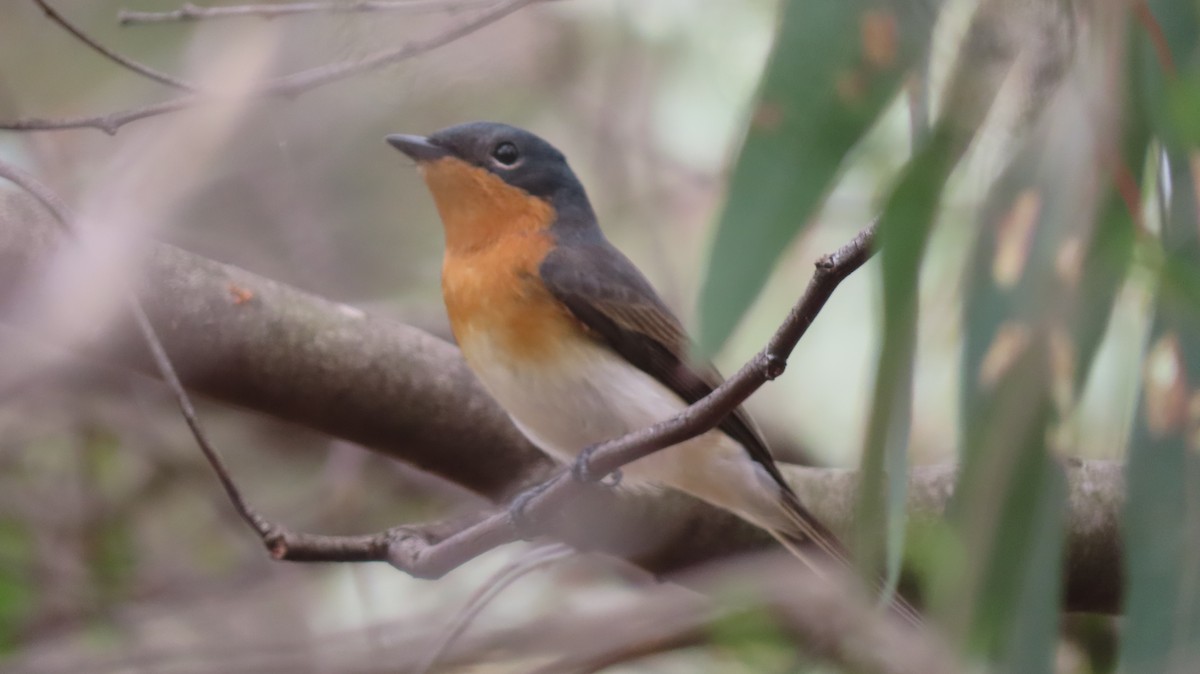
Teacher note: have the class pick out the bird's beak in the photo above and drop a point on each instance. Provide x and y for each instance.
(417, 147)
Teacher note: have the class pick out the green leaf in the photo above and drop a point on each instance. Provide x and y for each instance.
(1168, 101)
(754, 639)
(1041, 285)
(18, 592)
(1009, 508)
(834, 68)
(904, 230)
(1024, 292)
(1162, 514)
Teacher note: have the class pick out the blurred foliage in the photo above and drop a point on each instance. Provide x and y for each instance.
(17, 598)
(754, 641)
(1163, 627)
(1051, 257)
(834, 69)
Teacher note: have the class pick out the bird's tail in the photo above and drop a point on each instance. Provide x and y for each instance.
(806, 537)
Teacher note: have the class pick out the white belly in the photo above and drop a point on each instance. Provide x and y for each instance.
(598, 397)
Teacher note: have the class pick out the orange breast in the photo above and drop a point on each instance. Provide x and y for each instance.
(496, 236)
(494, 296)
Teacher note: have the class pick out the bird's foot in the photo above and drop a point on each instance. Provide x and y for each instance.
(526, 528)
(582, 471)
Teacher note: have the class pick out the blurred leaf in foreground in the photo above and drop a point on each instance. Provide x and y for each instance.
(997, 49)
(1162, 513)
(1051, 254)
(834, 68)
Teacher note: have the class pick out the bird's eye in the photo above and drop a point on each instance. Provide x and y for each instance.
(506, 153)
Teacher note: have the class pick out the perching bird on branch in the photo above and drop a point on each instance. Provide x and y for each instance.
(570, 338)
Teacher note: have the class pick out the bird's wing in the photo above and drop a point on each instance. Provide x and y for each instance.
(607, 293)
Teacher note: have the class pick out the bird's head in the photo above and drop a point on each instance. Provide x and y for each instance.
(487, 177)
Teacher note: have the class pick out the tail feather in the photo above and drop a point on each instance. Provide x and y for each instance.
(757, 492)
(802, 532)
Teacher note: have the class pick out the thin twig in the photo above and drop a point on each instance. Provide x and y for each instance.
(288, 86)
(190, 12)
(123, 61)
(510, 574)
(66, 219)
(828, 622)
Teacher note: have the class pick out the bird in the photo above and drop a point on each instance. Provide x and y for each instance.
(572, 340)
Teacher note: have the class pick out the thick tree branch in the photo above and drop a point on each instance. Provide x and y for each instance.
(259, 344)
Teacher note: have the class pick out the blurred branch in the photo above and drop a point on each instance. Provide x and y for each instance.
(66, 221)
(517, 569)
(836, 627)
(841, 629)
(190, 12)
(288, 86)
(255, 343)
(123, 61)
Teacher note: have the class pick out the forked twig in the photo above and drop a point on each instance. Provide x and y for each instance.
(288, 86)
(190, 12)
(123, 61)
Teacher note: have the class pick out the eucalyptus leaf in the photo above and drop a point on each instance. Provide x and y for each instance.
(1162, 514)
(835, 66)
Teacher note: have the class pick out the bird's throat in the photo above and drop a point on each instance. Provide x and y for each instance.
(478, 208)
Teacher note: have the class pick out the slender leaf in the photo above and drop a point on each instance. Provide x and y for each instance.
(1162, 513)
(18, 595)
(1014, 524)
(1010, 502)
(904, 230)
(991, 48)
(834, 68)
(1046, 267)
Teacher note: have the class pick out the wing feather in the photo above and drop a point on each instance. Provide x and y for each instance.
(607, 294)
(610, 297)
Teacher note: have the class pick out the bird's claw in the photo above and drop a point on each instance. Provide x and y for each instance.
(525, 527)
(581, 470)
(613, 479)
